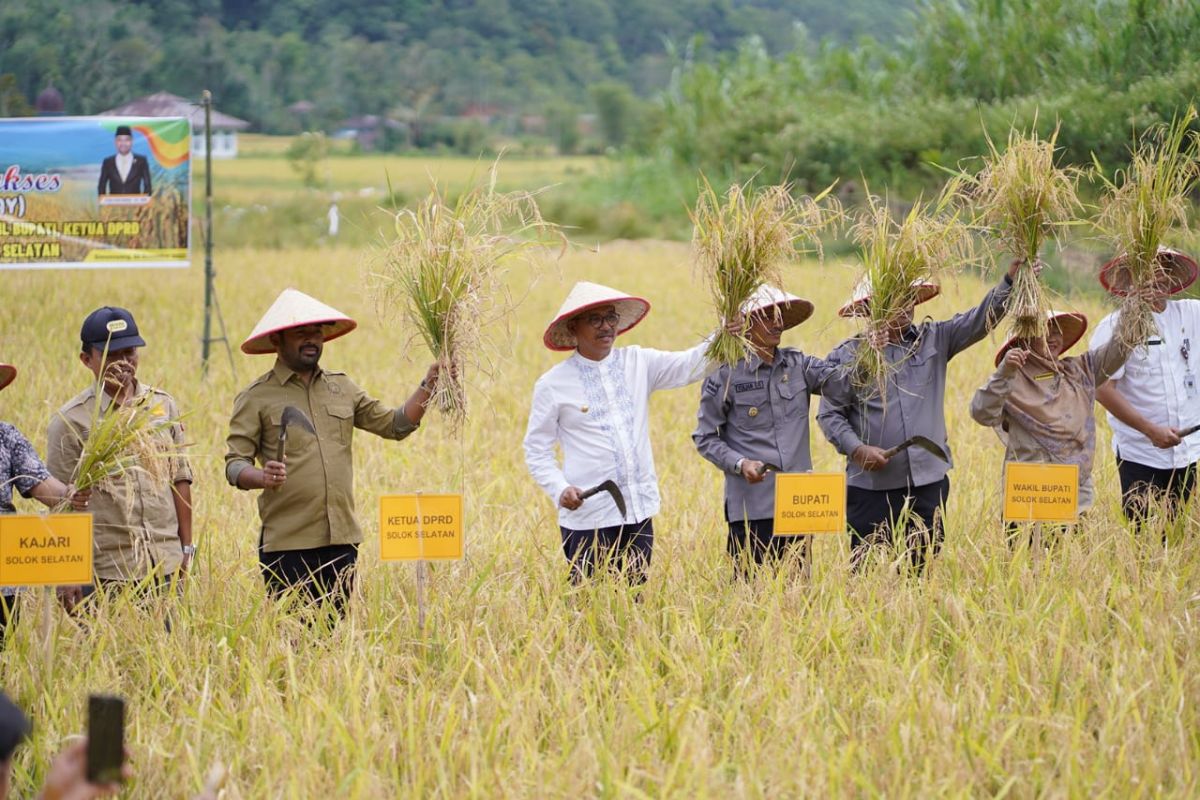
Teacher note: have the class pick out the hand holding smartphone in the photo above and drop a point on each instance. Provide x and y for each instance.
(106, 739)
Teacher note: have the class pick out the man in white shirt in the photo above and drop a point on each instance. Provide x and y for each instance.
(595, 406)
(1155, 397)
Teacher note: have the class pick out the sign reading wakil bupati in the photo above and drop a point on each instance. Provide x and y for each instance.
(415, 527)
(94, 192)
(1040, 492)
(45, 550)
(810, 502)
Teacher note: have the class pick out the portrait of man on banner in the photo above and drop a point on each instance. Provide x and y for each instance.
(125, 172)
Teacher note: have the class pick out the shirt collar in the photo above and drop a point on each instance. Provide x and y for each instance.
(106, 400)
(283, 373)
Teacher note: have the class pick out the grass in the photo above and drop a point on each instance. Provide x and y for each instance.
(1074, 674)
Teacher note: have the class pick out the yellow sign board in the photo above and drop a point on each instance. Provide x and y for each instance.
(810, 502)
(1041, 492)
(45, 550)
(414, 527)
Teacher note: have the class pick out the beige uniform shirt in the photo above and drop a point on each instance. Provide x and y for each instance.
(315, 506)
(135, 527)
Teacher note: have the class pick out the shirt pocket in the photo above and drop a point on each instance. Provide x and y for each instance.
(794, 397)
(918, 374)
(299, 441)
(752, 410)
(341, 421)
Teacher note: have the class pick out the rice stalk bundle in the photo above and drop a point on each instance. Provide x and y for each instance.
(740, 242)
(1142, 205)
(931, 240)
(123, 439)
(443, 273)
(1022, 199)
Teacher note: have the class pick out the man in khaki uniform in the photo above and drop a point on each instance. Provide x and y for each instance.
(309, 537)
(141, 528)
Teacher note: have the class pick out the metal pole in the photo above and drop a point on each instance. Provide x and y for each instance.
(208, 231)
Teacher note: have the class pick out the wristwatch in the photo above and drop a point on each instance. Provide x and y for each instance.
(188, 549)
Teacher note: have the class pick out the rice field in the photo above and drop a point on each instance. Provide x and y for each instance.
(1070, 673)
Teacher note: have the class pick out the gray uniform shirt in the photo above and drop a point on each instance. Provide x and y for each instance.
(759, 411)
(914, 403)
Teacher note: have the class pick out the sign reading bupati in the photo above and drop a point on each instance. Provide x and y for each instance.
(810, 502)
(45, 550)
(1041, 492)
(415, 527)
(95, 192)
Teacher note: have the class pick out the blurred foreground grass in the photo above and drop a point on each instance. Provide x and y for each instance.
(1073, 673)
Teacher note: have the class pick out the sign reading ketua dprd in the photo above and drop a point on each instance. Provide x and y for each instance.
(810, 502)
(45, 550)
(414, 527)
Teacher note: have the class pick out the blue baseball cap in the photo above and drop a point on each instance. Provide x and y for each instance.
(110, 326)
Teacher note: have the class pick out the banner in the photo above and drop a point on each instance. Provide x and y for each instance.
(95, 192)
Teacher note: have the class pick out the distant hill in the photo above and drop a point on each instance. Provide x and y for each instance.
(378, 56)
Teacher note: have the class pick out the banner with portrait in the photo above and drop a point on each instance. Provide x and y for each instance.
(95, 192)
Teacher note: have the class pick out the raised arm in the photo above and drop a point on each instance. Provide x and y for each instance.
(966, 328)
(987, 406)
(674, 369)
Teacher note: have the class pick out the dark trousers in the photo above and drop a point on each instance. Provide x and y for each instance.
(875, 518)
(624, 548)
(9, 606)
(1143, 487)
(753, 542)
(321, 574)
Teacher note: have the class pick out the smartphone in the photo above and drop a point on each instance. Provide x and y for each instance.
(106, 738)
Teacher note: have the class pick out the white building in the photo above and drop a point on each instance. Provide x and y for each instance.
(165, 104)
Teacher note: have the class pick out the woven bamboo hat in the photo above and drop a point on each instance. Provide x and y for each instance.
(1114, 276)
(792, 309)
(857, 307)
(1071, 323)
(585, 296)
(293, 309)
(7, 374)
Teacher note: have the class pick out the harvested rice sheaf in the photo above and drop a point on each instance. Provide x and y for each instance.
(1022, 199)
(442, 272)
(742, 239)
(1143, 205)
(932, 240)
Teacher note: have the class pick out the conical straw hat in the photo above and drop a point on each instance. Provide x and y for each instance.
(1114, 276)
(792, 309)
(7, 373)
(857, 307)
(585, 295)
(293, 309)
(1071, 323)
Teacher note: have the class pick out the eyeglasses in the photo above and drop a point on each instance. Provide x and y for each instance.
(598, 321)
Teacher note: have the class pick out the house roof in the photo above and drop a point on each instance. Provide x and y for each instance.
(165, 104)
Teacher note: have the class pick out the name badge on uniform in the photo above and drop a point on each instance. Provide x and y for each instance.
(1045, 376)
(1189, 384)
